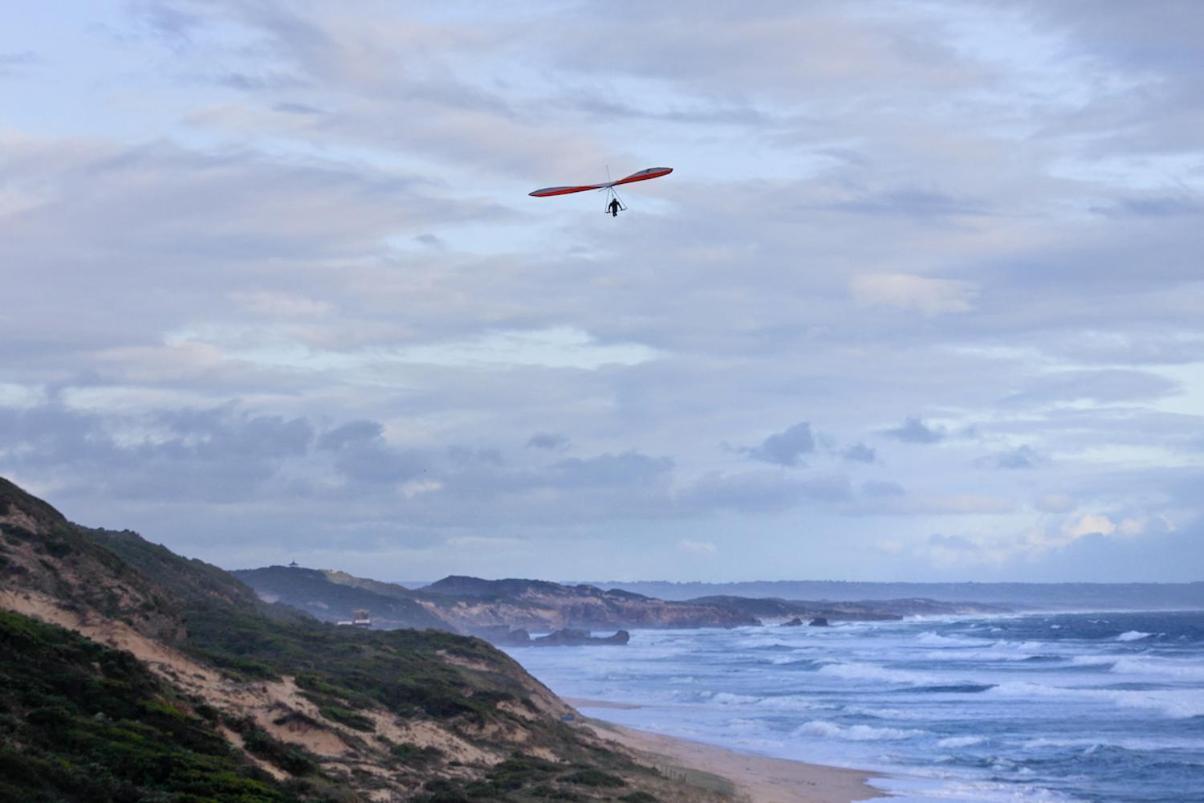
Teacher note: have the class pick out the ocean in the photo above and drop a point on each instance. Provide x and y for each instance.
(1058, 706)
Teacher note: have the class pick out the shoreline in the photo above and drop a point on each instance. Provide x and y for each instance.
(745, 776)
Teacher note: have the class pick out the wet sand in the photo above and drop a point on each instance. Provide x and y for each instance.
(748, 777)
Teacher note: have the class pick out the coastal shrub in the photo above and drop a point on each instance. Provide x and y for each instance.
(441, 790)
(588, 776)
(414, 755)
(289, 757)
(639, 797)
(85, 722)
(347, 717)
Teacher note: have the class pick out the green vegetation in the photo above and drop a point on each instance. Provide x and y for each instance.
(342, 669)
(334, 595)
(79, 721)
(343, 716)
(413, 755)
(527, 778)
(83, 722)
(290, 758)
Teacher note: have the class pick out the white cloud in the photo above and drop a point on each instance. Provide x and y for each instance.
(692, 547)
(919, 293)
(1054, 503)
(1089, 524)
(283, 305)
(977, 214)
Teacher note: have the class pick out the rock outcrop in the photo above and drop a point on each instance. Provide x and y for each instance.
(569, 637)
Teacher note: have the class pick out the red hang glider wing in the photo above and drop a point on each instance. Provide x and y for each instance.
(644, 175)
(549, 191)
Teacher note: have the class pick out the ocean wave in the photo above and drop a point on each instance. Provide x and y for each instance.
(953, 688)
(955, 742)
(793, 702)
(960, 789)
(728, 698)
(799, 663)
(1165, 667)
(1174, 703)
(1096, 743)
(854, 733)
(929, 637)
(855, 670)
(1090, 662)
(1133, 635)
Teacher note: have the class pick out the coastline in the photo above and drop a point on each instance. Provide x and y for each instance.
(745, 776)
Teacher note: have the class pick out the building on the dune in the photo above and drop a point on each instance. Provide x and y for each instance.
(359, 618)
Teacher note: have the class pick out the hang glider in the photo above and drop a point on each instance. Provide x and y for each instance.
(642, 175)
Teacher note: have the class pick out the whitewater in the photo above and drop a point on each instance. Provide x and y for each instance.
(1062, 706)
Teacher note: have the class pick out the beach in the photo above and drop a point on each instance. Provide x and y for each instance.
(757, 779)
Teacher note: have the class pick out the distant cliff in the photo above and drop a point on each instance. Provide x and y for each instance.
(469, 603)
(1083, 596)
(472, 605)
(491, 607)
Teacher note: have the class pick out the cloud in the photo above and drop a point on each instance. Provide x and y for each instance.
(1088, 524)
(914, 430)
(785, 448)
(1054, 503)
(218, 454)
(320, 250)
(882, 488)
(1103, 387)
(912, 203)
(761, 492)
(628, 468)
(699, 548)
(1022, 457)
(1155, 206)
(860, 453)
(275, 304)
(921, 294)
(352, 433)
(551, 441)
(13, 63)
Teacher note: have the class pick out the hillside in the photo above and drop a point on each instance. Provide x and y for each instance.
(492, 608)
(181, 666)
(472, 605)
(469, 603)
(327, 596)
(131, 734)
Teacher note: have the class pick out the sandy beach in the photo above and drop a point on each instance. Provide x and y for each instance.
(757, 779)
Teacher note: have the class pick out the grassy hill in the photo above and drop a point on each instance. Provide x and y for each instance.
(82, 722)
(327, 596)
(183, 685)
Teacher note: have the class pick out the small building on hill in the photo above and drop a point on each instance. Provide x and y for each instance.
(359, 618)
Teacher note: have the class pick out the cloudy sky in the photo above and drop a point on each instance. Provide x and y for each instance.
(923, 298)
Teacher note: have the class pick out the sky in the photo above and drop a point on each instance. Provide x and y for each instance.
(922, 300)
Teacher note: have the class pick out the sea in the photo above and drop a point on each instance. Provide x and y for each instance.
(1049, 706)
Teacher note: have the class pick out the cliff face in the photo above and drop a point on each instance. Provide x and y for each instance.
(177, 664)
(470, 604)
